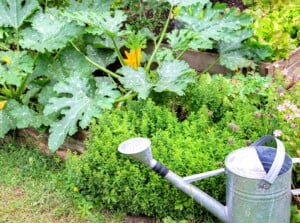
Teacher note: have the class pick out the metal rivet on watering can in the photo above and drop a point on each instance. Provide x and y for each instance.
(258, 184)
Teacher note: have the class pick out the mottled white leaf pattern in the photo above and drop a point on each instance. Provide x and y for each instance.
(102, 56)
(17, 67)
(234, 55)
(99, 23)
(81, 105)
(6, 122)
(136, 80)
(16, 115)
(24, 117)
(215, 25)
(14, 12)
(174, 76)
(49, 31)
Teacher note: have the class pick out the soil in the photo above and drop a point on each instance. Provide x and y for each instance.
(232, 3)
(139, 219)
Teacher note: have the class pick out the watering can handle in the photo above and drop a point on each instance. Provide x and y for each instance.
(277, 163)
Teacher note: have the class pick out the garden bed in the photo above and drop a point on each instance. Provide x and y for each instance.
(201, 60)
(31, 136)
(198, 60)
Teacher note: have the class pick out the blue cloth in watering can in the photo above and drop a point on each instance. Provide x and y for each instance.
(267, 155)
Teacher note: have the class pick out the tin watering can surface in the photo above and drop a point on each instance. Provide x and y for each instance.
(258, 183)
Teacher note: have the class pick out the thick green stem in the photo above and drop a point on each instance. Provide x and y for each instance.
(22, 87)
(23, 84)
(110, 73)
(18, 37)
(142, 12)
(7, 91)
(3, 47)
(119, 55)
(211, 66)
(181, 54)
(126, 97)
(46, 6)
(160, 40)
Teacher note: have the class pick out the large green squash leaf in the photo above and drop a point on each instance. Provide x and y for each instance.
(213, 23)
(180, 39)
(90, 5)
(79, 103)
(49, 31)
(68, 62)
(14, 12)
(174, 76)
(238, 53)
(16, 115)
(6, 121)
(103, 57)
(208, 26)
(14, 67)
(183, 39)
(71, 61)
(233, 55)
(136, 80)
(99, 23)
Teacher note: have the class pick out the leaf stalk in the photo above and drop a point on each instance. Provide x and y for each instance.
(104, 69)
(159, 40)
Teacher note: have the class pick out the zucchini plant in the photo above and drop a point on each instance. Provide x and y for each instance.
(57, 68)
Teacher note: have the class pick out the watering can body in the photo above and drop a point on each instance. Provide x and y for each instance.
(251, 199)
(258, 181)
(248, 203)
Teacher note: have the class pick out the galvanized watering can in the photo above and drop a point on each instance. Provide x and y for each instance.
(258, 185)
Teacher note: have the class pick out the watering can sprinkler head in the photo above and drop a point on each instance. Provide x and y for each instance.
(138, 148)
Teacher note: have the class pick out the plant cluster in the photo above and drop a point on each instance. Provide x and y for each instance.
(276, 25)
(286, 111)
(56, 62)
(268, 2)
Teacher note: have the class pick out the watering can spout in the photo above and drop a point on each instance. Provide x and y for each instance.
(140, 149)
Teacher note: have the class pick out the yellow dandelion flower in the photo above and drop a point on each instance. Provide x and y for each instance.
(75, 189)
(134, 58)
(6, 59)
(2, 104)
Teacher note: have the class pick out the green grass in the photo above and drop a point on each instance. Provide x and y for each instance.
(31, 189)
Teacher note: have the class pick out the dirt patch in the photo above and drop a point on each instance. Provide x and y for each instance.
(232, 3)
(136, 219)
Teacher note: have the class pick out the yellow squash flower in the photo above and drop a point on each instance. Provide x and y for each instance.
(6, 59)
(134, 58)
(2, 104)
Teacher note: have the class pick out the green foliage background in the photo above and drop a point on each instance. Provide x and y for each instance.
(276, 24)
